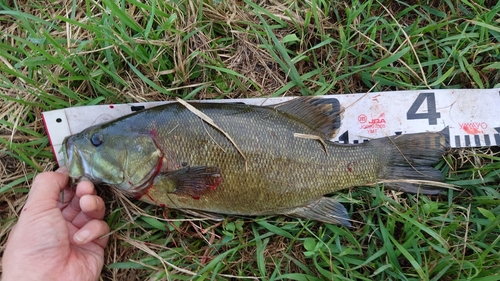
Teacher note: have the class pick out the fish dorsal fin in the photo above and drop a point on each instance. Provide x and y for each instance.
(321, 114)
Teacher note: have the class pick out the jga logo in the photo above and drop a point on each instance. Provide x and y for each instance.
(372, 124)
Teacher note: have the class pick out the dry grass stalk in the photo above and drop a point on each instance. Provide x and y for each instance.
(210, 121)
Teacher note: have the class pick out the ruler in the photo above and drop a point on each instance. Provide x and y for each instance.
(470, 118)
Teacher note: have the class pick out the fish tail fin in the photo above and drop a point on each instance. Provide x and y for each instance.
(410, 161)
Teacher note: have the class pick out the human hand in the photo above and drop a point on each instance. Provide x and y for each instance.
(57, 237)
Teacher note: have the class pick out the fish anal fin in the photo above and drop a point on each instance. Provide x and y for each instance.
(321, 114)
(191, 181)
(326, 210)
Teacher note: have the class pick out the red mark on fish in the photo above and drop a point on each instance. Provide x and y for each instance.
(153, 132)
(473, 128)
(149, 197)
(216, 183)
(349, 166)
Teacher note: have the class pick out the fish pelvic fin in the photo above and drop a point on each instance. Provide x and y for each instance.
(321, 114)
(326, 210)
(202, 215)
(410, 162)
(191, 181)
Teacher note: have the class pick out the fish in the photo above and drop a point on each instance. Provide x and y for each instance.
(246, 160)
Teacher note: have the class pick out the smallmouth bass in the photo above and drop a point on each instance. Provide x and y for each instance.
(170, 157)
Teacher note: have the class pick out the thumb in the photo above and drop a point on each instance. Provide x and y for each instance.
(47, 186)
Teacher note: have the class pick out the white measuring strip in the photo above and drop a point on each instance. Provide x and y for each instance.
(471, 117)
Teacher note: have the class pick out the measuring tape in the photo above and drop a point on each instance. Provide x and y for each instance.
(470, 118)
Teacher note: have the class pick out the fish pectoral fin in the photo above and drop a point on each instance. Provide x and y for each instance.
(192, 181)
(321, 114)
(325, 209)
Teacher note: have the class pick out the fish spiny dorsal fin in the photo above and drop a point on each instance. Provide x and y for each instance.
(321, 114)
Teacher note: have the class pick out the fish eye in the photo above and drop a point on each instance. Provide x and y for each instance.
(96, 139)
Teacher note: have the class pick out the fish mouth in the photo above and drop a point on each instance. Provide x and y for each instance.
(73, 160)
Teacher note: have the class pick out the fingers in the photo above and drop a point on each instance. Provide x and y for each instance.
(65, 197)
(83, 188)
(86, 211)
(92, 231)
(92, 207)
(73, 208)
(47, 186)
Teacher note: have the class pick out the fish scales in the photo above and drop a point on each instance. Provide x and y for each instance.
(279, 170)
(274, 172)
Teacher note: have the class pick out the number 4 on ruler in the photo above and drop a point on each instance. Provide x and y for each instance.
(432, 115)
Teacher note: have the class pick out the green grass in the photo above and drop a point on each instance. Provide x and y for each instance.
(55, 55)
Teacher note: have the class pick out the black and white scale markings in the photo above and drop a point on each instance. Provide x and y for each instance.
(459, 140)
(469, 117)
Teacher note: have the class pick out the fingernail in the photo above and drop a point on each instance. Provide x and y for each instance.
(62, 170)
(82, 236)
